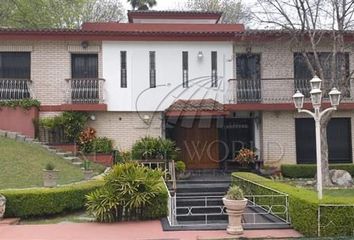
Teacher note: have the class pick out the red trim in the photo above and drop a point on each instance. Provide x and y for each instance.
(74, 107)
(195, 113)
(173, 15)
(278, 106)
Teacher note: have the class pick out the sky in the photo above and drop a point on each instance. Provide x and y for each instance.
(161, 4)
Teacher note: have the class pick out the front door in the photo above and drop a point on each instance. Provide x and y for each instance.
(197, 140)
(235, 135)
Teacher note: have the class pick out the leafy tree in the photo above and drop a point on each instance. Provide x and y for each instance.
(142, 4)
(58, 13)
(234, 11)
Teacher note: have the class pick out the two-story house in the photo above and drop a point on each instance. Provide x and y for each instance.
(213, 88)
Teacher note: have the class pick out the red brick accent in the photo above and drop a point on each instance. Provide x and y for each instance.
(19, 120)
(101, 158)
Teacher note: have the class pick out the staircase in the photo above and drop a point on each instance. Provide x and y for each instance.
(199, 201)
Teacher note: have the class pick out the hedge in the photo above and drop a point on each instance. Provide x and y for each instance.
(303, 205)
(35, 202)
(309, 170)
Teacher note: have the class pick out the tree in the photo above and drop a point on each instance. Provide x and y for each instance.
(142, 4)
(233, 10)
(58, 13)
(310, 24)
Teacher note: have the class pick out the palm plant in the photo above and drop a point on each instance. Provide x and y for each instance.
(142, 4)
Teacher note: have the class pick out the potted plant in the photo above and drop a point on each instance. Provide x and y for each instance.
(88, 172)
(50, 175)
(245, 157)
(180, 167)
(2, 206)
(235, 204)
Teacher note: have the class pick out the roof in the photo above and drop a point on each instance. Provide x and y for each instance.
(146, 14)
(201, 107)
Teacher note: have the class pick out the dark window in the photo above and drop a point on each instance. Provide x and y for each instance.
(185, 69)
(152, 57)
(338, 137)
(15, 65)
(84, 66)
(248, 77)
(214, 69)
(302, 72)
(123, 69)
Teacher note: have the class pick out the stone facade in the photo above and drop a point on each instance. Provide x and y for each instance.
(125, 128)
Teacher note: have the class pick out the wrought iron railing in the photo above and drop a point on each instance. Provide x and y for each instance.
(85, 90)
(13, 89)
(269, 90)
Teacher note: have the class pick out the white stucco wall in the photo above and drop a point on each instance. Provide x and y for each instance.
(138, 96)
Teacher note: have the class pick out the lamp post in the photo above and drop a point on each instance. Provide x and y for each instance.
(316, 99)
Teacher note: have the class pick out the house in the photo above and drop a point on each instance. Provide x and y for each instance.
(213, 88)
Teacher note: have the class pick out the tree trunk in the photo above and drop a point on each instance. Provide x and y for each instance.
(326, 181)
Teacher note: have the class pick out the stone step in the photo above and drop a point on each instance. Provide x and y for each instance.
(11, 135)
(64, 154)
(72, 159)
(202, 218)
(20, 138)
(78, 163)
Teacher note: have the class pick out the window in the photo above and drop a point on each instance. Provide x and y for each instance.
(302, 73)
(84, 66)
(15, 65)
(185, 69)
(214, 69)
(338, 137)
(123, 69)
(152, 57)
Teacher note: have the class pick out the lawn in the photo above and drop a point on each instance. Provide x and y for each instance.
(21, 165)
(340, 192)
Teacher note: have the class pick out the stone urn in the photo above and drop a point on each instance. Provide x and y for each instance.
(2, 206)
(50, 178)
(235, 209)
(88, 174)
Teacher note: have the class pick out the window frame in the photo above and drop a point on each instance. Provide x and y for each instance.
(152, 68)
(26, 68)
(123, 69)
(214, 69)
(185, 69)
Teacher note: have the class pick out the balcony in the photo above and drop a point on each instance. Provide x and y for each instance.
(14, 89)
(275, 90)
(85, 91)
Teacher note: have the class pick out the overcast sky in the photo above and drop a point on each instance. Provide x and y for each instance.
(162, 4)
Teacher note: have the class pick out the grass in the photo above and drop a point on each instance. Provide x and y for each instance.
(340, 192)
(21, 165)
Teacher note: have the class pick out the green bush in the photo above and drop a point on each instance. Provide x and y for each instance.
(235, 193)
(74, 123)
(131, 192)
(154, 148)
(23, 103)
(180, 167)
(309, 170)
(36, 202)
(102, 145)
(303, 204)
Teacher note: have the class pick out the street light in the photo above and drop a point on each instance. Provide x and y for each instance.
(316, 99)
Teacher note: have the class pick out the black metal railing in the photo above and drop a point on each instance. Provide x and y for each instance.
(13, 89)
(277, 89)
(85, 91)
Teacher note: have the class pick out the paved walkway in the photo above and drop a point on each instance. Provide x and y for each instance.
(149, 230)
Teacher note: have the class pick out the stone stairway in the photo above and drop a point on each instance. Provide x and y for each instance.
(68, 156)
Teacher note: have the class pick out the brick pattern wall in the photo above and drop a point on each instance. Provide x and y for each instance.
(125, 128)
(51, 65)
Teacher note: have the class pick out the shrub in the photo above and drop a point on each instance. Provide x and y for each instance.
(23, 103)
(154, 148)
(36, 202)
(131, 192)
(235, 193)
(309, 170)
(180, 167)
(102, 145)
(303, 204)
(245, 157)
(74, 123)
(86, 139)
(49, 167)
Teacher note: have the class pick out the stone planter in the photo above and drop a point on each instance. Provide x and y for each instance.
(235, 209)
(50, 178)
(2, 206)
(88, 174)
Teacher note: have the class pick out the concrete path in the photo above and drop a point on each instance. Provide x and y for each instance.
(148, 230)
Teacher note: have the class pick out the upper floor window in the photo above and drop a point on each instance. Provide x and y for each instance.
(185, 69)
(123, 69)
(152, 59)
(84, 66)
(337, 73)
(214, 69)
(15, 65)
